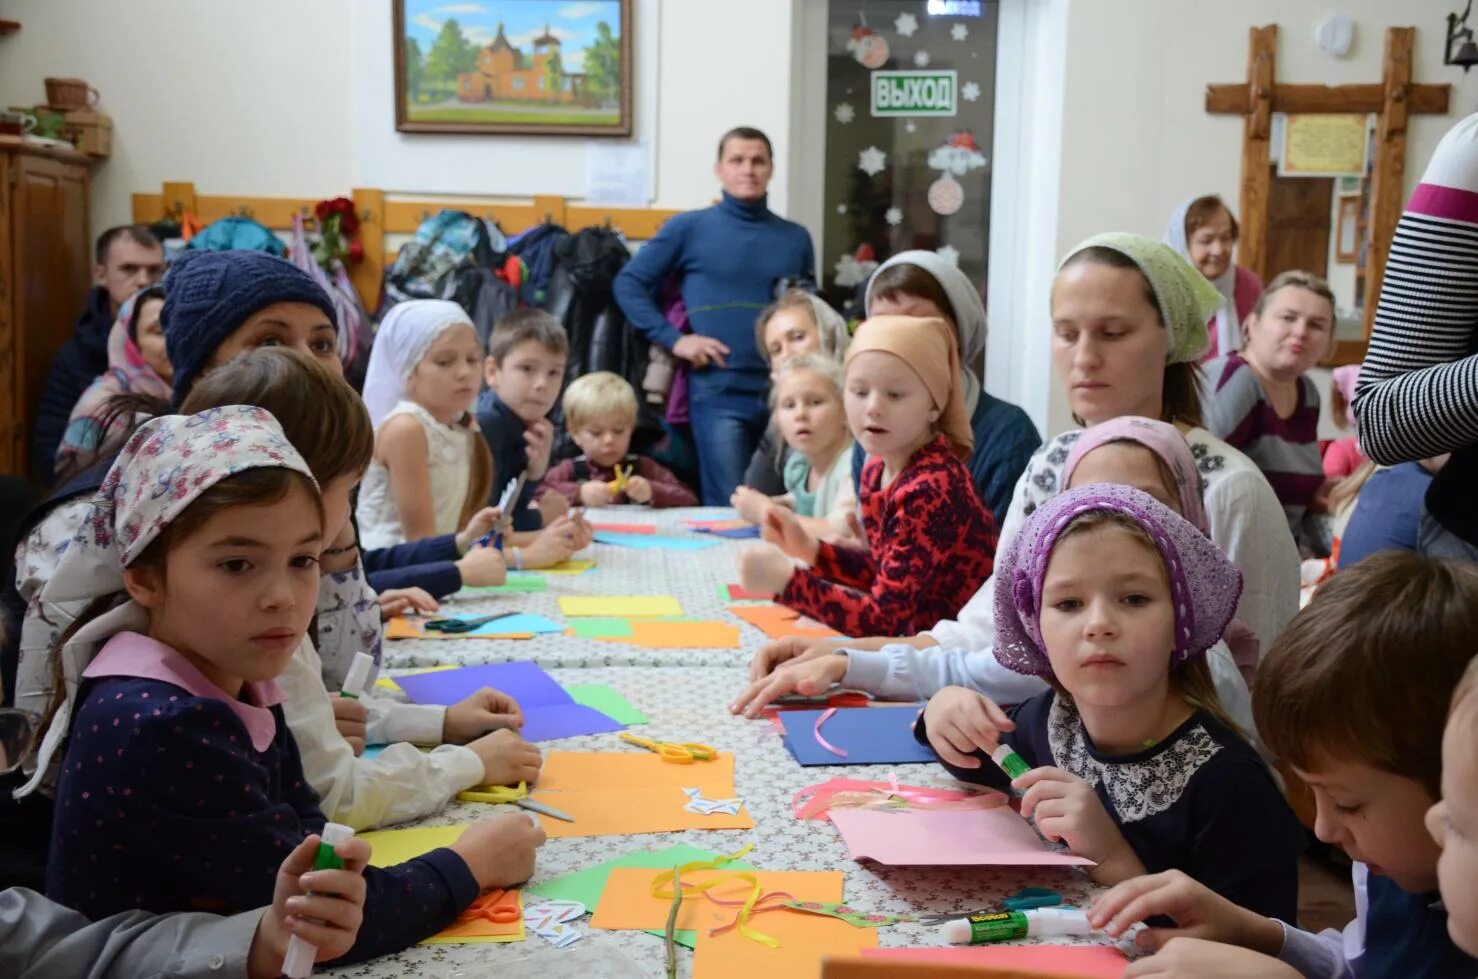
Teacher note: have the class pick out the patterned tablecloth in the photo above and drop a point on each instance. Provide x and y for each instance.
(692, 577)
(689, 703)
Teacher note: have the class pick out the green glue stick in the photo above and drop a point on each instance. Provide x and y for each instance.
(1009, 761)
(298, 963)
(983, 929)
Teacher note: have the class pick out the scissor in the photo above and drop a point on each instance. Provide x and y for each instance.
(506, 503)
(1023, 900)
(498, 906)
(671, 751)
(459, 626)
(518, 796)
(623, 474)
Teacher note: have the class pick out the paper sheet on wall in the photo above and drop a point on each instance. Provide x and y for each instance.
(617, 173)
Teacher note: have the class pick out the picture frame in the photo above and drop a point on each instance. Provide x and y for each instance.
(508, 67)
(1347, 231)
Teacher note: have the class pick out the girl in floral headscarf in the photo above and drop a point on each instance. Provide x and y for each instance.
(1114, 599)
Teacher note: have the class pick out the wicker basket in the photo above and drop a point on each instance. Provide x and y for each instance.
(69, 93)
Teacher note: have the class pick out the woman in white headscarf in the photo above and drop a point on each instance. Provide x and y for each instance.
(1204, 231)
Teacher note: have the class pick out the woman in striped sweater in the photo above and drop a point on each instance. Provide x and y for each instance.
(1418, 390)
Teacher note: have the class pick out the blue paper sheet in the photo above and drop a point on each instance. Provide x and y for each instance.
(653, 542)
(549, 711)
(869, 736)
(508, 625)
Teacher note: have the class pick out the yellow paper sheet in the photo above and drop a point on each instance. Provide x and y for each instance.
(680, 635)
(620, 606)
(805, 939)
(627, 901)
(567, 567)
(637, 768)
(619, 812)
(393, 846)
(480, 931)
(388, 682)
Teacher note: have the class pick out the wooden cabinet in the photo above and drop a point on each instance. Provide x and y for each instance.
(45, 272)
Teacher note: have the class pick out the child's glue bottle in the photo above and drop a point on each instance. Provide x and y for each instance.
(298, 963)
(980, 929)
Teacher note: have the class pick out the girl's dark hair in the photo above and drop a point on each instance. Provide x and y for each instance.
(319, 412)
(1180, 386)
(251, 487)
(147, 295)
(905, 279)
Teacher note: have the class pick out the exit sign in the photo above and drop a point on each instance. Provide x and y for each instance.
(914, 93)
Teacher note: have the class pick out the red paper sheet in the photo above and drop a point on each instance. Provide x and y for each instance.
(1063, 960)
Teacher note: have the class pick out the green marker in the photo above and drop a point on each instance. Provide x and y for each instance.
(298, 963)
(1010, 762)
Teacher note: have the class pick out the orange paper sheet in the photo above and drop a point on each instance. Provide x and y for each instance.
(634, 769)
(618, 812)
(777, 622)
(627, 901)
(1057, 960)
(679, 635)
(805, 939)
(402, 628)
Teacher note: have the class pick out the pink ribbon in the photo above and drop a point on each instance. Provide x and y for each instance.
(825, 715)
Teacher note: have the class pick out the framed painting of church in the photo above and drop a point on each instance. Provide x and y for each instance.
(528, 67)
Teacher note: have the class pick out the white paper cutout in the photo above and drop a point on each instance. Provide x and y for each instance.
(893, 216)
(969, 91)
(844, 112)
(946, 196)
(959, 155)
(872, 161)
(841, 209)
(850, 272)
(959, 32)
(906, 24)
(949, 253)
(921, 59)
(869, 48)
(707, 807)
(553, 921)
(910, 127)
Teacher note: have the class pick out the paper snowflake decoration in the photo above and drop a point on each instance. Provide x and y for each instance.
(921, 59)
(906, 24)
(872, 161)
(910, 127)
(844, 113)
(968, 91)
(850, 272)
(893, 216)
(950, 254)
(959, 32)
(841, 209)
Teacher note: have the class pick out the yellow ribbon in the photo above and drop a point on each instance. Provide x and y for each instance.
(661, 888)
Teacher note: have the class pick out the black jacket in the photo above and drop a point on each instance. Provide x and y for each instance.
(76, 365)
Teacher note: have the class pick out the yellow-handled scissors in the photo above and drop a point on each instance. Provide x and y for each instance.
(671, 751)
(518, 796)
(623, 475)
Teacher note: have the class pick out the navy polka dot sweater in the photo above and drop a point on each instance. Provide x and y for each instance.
(164, 804)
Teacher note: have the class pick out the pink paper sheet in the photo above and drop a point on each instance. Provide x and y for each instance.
(1065, 960)
(927, 838)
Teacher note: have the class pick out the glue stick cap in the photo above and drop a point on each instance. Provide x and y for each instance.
(335, 833)
(359, 672)
(298, 962)
(957, 932)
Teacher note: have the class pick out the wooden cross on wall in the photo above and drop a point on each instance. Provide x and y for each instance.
(1393, 100)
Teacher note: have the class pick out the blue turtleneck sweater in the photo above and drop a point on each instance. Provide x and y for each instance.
(728, 257)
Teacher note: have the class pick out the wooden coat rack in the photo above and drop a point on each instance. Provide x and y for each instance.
(1393, 100)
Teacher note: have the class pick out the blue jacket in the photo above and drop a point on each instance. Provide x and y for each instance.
(427, 563)
(729, 258)
(76, 365)
(503, 431)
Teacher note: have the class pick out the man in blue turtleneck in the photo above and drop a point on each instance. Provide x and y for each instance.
(729, 258)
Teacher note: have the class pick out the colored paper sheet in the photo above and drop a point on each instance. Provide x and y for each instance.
(869, 736)
(1087, 962)
(731, 523)
(653, 542)
(624, 528)
(948, 837)
(777, 621)
(627, 901)
(586, 885)
(480, 931)
(681, 635)
(629, 810)
(520, 626)
(606, 700)
(548, 709)
(394, 846)
(737, 593)
(567, 567)
(805, 939)
(620, 606)
(635, 769)
(388, 682)
(517, 582)
(733, 533)
(600, 628)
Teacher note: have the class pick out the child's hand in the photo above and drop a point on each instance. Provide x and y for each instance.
(500, 850)
(961, 722)
(399, 601)
(751, 504)
(582, 534)
(638, 490)
(808, 677)
(328, 918)
(783, 529)
(1198, 911)
(475, 715)
(1067, 809)
(787, 649)
(764, 570)
(481, 524)
(596, 493)
(481, 567)
(1195, 958)
(507, 759)
(350, 717)
(539, 439)
(553, 545)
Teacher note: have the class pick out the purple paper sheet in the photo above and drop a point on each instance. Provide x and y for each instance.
(734, 533)
(549, 712)
(869, 736)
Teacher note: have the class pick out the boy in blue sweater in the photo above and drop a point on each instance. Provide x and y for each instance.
(729, 258)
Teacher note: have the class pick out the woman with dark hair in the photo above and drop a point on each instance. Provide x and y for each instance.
(1204, 231)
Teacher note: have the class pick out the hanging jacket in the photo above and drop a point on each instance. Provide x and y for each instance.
(536, 247)
(238, 234)
(443, 261)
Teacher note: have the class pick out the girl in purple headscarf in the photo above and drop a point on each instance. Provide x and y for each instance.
(1114, 599)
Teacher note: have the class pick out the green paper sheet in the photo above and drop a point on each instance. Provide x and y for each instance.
(601, 628)
(516, 583)
(606, 700)
(586, 885)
